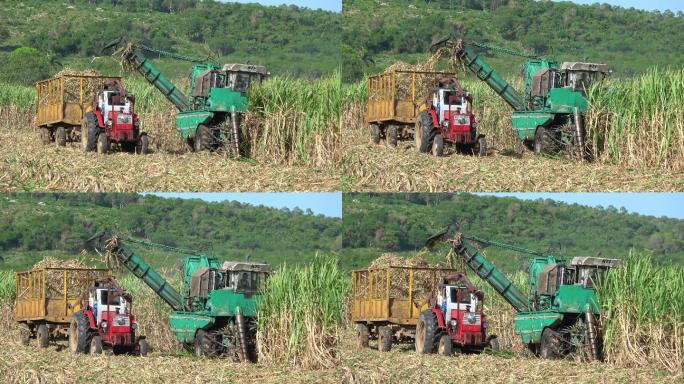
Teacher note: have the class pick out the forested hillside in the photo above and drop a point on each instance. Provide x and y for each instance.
(35, 225)
(376, 33)
(376, 223)
(38, 37)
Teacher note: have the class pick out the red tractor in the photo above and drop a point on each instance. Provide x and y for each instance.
(105, 320)
(449, 119)
(113, 122)
(456, 322)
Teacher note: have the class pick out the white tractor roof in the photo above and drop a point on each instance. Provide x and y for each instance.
(595, 262)
(245, 266)
(576, 66)
(258, 69)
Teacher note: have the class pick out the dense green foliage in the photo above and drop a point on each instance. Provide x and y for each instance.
(374, 223)
(287, 39)
(376, 33)
(32, 224)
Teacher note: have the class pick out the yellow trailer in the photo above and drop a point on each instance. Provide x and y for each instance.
(62, 102)
(47, 298)
(395, 99)
(387, 302)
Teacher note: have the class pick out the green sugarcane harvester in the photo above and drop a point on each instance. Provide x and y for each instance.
(211, 117)
(216, 314)
(549, 117)
(560, 314)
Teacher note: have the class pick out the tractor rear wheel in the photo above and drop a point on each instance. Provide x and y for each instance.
(143, 347)
(60, 136)
(362, 335)
(542, 141)
(96, 345)
(549, 345)
(78, 333)
(445, 345)
(374, 133)
(89, 132)
(426, 333)
(384, 339)
(102, 143)
(424, 125)
(43, 335)
(391, 134)
(438, 145)
(203, 139)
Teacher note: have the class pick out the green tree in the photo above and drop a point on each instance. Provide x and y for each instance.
(25, 66)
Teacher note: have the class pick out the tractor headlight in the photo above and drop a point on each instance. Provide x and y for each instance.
(453, 323)
(104, 325)
(445, 123)
(109, 123)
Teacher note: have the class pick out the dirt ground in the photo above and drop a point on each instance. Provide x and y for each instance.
(382, 168)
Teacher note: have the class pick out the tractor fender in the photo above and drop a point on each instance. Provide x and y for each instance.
(100, 118)
(91, 318)
(440, 317)
(433, 114)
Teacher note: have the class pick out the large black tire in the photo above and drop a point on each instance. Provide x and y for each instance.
(481, 147)
(79, 332)
(426, 333)
(45, 135)
(200, 343)
(60, 136)
(203, 139)
(144, 144)
(549, 345)
(392, 133)
(96, 345)
(143, 347)
(43, 335)
(438, 145)
(384, 339)
(542, 141)
(24, 334)
(425, 124)
(102, 143)
(362, 335)
(89, 132)
(445, 346)
(493, 344)
(374, 133)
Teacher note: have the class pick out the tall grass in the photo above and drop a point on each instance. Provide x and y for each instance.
(640, 121)
(301, 313)
(21, 97)
(643, 314)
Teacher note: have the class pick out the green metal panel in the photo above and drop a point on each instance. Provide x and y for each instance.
(185, 324)
(224, 302)
(187, 122)
(565, 100)
(575, 299)
(226, 100)
(192, 264)
(536, 265)
(530, 325)
(525, 123)
(197, 70)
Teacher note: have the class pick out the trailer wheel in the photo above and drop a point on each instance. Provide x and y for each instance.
(384, 339)
(43, 335)
(445, 345)
(96, 345)
(202, 139)
(143, 347)
(438, 145)
(375, 133)
(542, 141)
(426, 333)
(144, 144)
(549, 345)
(391, 134)
(362, 335)
(45, 135)
(60, 136)
(24, 334)
(78, 333)
(102, 143)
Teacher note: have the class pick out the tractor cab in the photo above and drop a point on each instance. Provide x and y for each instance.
(588, 270)
(581, 76)
(240, 77)
(461, 304)
(247, 278)
(115, 112)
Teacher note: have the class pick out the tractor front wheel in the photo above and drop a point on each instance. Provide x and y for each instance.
(96, 345)
(392, 133)
(102, 143)
(384, 339)
(549, 345)
(43, 335)
(426, 333)
(60, 136)
(445, 345)
(362, 335)
(374, 133)
(438, 145)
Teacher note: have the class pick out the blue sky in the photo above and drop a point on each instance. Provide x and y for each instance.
(328, 5)
(652, 204)
(328, 204)
(662, 5)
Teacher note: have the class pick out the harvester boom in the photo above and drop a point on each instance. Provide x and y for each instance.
(477, 65)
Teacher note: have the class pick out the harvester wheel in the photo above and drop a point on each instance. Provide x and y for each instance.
(89, 132)
(542, 141)
(144, 144)
(375, 133)
(43, 335)
(384, 339)
(549, 345)
(391, 133)
(445, 345)
(143, 347)
(200, 337)
(102, 143)
(362, 335)
(438, 145)
(96, 345)
(60, 136)
(45, 135)
(426, 333)
(78, 333)
(202, 139)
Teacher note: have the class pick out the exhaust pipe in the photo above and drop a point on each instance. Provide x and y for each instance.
(235, 134)
(592, 333)
(242, 335)
(579, 132)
